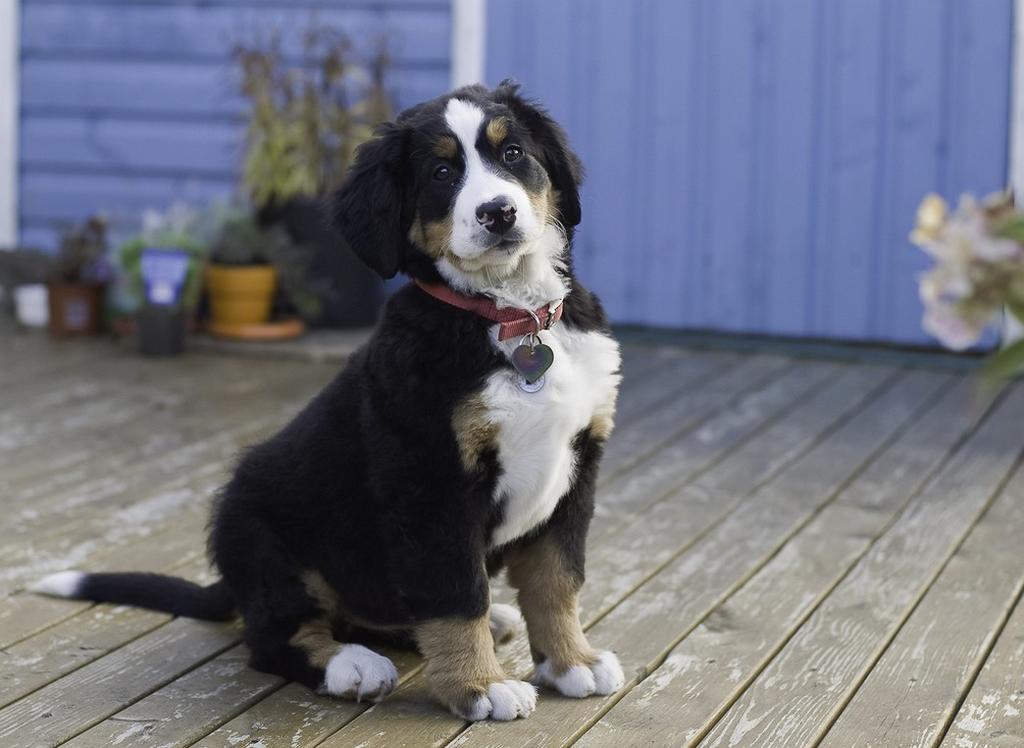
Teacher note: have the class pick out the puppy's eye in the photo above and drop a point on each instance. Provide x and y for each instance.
(443, 173)
(512, 153)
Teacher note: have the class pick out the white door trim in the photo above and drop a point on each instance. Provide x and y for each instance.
(10, 51)
(469, 36)
(1012, 330)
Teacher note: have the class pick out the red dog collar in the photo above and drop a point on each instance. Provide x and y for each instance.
(512, 322)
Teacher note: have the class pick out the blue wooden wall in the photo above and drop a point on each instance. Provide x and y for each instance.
(129, 104)
(755, 165)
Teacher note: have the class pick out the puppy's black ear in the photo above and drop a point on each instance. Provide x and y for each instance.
(369, 208)
(564, 167)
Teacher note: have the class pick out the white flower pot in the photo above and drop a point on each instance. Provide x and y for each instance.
(31, 305)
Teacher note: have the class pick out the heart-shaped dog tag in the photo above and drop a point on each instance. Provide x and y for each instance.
(532, 361)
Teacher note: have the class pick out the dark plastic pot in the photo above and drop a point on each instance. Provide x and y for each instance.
(161, 331)
(351, 294)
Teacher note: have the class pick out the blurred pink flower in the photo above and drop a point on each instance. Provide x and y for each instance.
(976, 270)
(953, 330)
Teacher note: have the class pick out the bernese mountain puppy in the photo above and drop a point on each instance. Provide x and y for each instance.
(463, 438)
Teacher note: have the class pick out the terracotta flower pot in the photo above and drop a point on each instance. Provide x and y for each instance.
(241, 294)
(75, 308)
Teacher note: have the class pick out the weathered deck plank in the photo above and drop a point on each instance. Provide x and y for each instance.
(185, 709)
(28, 357)
(911, 694)
(153, 459)
(752, 506)
(66, 707)
(644, 436)
(156, 431)
(97, 630)
(667, 380)
(810, 681)
(992, 716)
(712, 666)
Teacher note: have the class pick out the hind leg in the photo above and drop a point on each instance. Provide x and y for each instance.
(288, 616)
(349, 671)
(306, 652)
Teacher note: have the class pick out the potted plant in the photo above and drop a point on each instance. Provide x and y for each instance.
(251, 265)
(78, 278)
(163, 263)
(23, 276)
(305, 121)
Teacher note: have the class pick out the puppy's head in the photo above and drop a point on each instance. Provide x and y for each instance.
(469, 185)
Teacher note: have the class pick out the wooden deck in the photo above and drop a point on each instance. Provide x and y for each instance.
(786, 552)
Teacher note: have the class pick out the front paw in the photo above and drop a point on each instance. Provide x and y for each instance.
(504, 700)
(604, 676)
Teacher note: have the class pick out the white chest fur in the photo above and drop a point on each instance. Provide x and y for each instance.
(536, 429)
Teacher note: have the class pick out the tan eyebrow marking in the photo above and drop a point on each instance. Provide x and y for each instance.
(446, 146)
(497, 130)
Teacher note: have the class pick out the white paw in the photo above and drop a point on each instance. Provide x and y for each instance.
(603, 677)
(505, 622)
(505, 700)
(608, 675)
(359, 673)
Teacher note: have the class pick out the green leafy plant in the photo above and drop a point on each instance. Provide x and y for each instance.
(306, 119)
(179, 228)
(241, 240)
(82, 253)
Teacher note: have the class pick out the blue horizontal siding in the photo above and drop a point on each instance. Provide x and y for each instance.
(196, 33)
(316, 4)
(127, 105)
(168, 90)
(754, 166)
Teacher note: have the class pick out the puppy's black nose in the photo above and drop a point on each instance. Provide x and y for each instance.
(497, 215)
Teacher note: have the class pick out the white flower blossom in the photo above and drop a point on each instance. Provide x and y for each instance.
(975, 269)
(953, 330)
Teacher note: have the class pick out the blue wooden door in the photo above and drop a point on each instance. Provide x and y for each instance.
(755, 165)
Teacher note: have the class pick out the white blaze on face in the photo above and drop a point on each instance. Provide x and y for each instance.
(481, 184)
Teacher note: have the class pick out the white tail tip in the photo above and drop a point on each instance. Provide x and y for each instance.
(61, 584)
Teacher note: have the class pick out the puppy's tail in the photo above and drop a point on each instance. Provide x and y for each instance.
(173, 595)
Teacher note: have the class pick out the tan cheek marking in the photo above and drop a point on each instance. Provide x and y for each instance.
(474, 432)
(541, 203)
(460, 657)
(446, 147)
(548, 601)
(433, 237)
(555, 197)
(497, 131)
